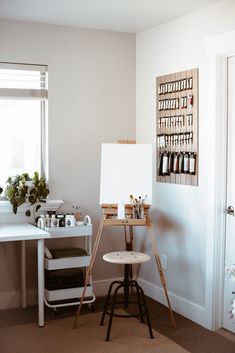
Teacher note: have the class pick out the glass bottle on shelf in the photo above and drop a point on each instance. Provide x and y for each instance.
(165, 164)
(176, 163)
(181, 162)
(186, 163)
(160, 164)
(192, 163)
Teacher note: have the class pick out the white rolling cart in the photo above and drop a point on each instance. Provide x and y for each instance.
(56, 298)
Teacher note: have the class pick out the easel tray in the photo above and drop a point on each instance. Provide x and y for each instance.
(125, 222)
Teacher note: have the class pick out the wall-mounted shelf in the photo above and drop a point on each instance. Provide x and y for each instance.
(177, 128)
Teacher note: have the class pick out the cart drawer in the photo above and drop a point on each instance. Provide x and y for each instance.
(63, 294)
(70, 232)
(67, 262)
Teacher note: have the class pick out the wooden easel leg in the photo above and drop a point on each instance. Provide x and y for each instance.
(90, 268)
(160, 270)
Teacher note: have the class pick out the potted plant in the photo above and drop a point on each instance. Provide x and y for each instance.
(22, 189)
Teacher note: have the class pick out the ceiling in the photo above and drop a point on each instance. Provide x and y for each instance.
(116, 15)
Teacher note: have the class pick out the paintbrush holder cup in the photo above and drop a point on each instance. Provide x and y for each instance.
(138, 212)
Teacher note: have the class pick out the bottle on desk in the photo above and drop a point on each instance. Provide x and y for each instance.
(54, 222)
(68, 220)
(72, 221)
(47, 221)
(41, 222)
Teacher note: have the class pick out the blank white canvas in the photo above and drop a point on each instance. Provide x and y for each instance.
(125, 169)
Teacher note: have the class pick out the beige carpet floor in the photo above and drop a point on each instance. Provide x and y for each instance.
(127, 336)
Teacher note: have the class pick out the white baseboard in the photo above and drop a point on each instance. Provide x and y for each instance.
(180, 305)
(12, 299)
(101, 286)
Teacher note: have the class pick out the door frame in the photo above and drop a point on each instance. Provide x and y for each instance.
(218, 49)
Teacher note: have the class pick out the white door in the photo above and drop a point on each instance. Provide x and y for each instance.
(229, 282)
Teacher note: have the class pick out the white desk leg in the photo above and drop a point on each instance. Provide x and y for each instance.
(40, 282)
(23, 275)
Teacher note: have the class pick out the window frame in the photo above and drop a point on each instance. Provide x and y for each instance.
(35, 94)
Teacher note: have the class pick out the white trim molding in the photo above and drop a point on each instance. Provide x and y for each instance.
(218, 49)
(188, 309)
(101, 286)
(50, 205)
(12, 299)
(191, 310)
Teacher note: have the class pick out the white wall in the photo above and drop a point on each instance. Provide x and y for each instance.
(180, 212)
(91, 100)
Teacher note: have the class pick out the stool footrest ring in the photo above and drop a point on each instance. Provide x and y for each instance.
(127, 315)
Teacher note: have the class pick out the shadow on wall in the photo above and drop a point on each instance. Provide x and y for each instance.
(184, 272)
(164, 223)
(164, 227)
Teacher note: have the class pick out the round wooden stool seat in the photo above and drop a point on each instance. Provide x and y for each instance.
(126, 257)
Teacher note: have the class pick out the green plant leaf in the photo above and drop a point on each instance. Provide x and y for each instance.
(18, 193)
(32, 199)
(10, 192)
(37, 208)
(25, 176)
(33, 191)
(27, 213)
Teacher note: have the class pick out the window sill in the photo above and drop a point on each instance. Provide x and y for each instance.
(50, 205)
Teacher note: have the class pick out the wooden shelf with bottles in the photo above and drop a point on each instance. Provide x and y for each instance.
(177, 128)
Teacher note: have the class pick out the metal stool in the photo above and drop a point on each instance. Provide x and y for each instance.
(126, 258)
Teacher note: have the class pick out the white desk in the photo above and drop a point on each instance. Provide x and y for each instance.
(23, 232)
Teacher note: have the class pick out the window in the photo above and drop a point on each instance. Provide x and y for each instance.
(23, 107)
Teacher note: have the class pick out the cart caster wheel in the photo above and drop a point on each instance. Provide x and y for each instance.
(55, 311)
(91, 307)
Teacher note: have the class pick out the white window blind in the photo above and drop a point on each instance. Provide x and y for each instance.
(23, 119)
(20, 81)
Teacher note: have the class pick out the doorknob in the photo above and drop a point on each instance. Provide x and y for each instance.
(230, 210)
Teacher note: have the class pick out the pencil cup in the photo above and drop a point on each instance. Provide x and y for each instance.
(138, 212)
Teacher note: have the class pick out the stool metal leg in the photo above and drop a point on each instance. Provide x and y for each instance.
(135, 284)
(126, 284)
(111, 311)
(146, 312)
(107, 300)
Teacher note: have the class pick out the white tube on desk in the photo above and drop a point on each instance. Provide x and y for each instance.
(40, 282)
(23, 276)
